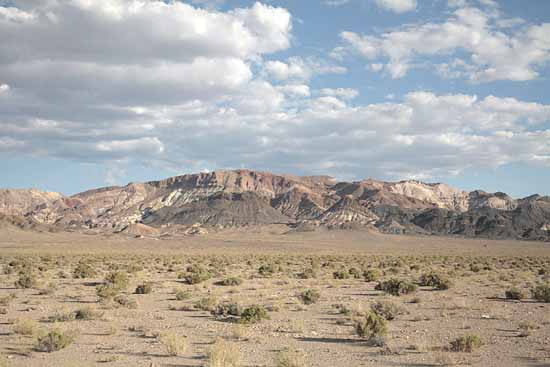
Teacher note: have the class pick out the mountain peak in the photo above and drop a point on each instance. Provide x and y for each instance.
(243, 197)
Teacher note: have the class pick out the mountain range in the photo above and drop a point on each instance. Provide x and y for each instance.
(199, 203)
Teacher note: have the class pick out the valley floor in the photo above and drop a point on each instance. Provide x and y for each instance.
(271, 270)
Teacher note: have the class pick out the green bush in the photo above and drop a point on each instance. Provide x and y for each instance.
(87, 313)
(386, 309)
(371, 275)
(438, 281)
(175, 344)
(125, 301)
(291, 358)
(396, 287)
(182, 295)
(26, 280)
(197, 277)
(83, 270)
(206, 304)
(542, 293)
(231, 281)
(341, 274)
(514, 294)
(53, 340)
(226, 309)
(144, 288)
(117, 279)
(355, 273)
(371, 326)
(266, 270)
(308, 273)
(467, 343)
(254, 314)
(310, 296)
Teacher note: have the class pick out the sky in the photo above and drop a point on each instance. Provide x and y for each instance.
(106, 92)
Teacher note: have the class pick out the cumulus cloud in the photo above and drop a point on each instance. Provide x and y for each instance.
(300, 90)
(197, 91)
(344, 93)
(496, 48)
(397, 6)
(298, 68)
(77, 71)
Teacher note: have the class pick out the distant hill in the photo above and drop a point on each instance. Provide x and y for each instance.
(198, 203)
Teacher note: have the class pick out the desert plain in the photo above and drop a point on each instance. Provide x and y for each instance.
(269, 297)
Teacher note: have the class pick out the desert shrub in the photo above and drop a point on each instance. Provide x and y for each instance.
(224, 354)
(476, 268)
(371, 275)
(53, 340)
(343, 309)
(26, 280)
(84, 270)
(87, 313)
(396, 287)
(514, 294)
(438, 281)
(206, 303)
(266, 270)
(27, 327)
(124, 301)
(231, 281)
(467, 343)
(6, 300)
(117, 279)
(525, 328)
(308, 273)
(61, 316)
(340, 274)
(290, 358)
(310, 296)
(254, 314)
(115, 282)
(174, 344)
(541, 293)
(226, 309)
(48, 289)
(144, 288)
(355, 273)
(371, 326)
(182, 295)
(387, 309)
(107, 291)
(197, 276)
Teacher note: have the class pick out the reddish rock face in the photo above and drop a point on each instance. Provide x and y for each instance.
(245, 197)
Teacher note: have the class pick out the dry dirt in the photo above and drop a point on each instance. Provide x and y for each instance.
(513, 333)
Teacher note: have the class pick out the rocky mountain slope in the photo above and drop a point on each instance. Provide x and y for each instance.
(197, 203)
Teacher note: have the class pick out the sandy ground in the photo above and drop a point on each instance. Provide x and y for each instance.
(275, 239)
(514, 333)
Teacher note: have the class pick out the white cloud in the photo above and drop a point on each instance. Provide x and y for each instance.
(297, 68)
(126, 147)
(195, 91)
(397, 6)
(300, 90)
(336, 2)
(294, 69)
(345, 93)
(4, 88)
(494, 51)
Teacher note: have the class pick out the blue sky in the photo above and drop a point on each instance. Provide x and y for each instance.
(104, 93)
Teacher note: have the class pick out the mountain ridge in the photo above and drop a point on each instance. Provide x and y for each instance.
(211, 201)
